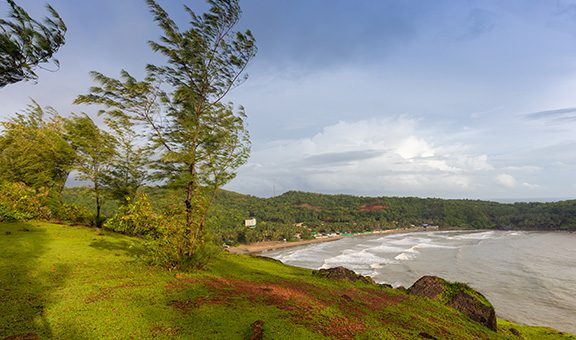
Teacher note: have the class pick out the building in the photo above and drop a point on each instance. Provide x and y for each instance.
(251, 223)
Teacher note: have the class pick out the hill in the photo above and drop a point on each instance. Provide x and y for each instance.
(70, 282)
(299, 214)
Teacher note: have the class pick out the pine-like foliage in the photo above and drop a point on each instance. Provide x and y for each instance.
(25, 43)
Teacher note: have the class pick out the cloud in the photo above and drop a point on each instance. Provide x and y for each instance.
(530, 186)
(385, 156)
(341, 157)
(506, 180)
(556, 116)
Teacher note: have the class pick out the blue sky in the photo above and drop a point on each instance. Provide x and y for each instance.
(453, 99)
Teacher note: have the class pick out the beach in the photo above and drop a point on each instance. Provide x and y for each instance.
(258, 247)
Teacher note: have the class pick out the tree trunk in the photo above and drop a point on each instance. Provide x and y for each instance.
(97, 192)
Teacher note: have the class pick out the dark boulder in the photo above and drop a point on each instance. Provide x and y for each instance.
(458, 296)
(428, 286)
(474, 309)
(344, 274)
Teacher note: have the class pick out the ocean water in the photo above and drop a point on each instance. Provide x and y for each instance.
(530, 277)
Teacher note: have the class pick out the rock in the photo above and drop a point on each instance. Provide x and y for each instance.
(385, 285)
(428, 286)
(474, 309)
(341, 273)
(515, 332)
(458, 296)
(257, 330)
(266, 258)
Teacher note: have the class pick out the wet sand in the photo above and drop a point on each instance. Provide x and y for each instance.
(258, 247)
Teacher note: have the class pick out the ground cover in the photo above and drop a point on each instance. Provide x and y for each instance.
(70, 282)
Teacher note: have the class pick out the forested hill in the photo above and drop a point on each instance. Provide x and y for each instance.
(327, 213)
(294, 212)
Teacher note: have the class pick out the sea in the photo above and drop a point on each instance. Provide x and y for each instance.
(530, 277)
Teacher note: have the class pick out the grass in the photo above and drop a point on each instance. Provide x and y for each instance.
(71, 283)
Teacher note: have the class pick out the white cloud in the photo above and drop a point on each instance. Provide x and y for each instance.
(506, 180)
(395, 156)
(530, 186)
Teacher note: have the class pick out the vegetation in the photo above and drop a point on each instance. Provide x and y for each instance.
(67, 282)
(35, 152)
(94, 149)
(174, 128)
(201, 140)
(303, 214)
(25, 43)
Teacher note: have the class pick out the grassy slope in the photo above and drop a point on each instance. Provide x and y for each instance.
(68, 282)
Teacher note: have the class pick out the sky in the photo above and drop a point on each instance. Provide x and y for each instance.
(450, 99)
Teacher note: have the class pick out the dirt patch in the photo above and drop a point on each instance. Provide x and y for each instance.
(303, 302)
(357, 301)
(310, 207)
(187, 305)
(372, 207)
(257, 330)
(275, 294)
(181, 283)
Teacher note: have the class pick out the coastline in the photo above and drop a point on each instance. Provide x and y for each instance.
(259, 247)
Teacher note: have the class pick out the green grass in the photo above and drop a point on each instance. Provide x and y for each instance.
(71, 283)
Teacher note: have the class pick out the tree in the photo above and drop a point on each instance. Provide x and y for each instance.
(124, 99)
(34, 150)
(204, 140)
(201, 140)
(25, 43)
(94, 148)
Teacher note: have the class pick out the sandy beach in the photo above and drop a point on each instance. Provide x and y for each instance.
(259, 247)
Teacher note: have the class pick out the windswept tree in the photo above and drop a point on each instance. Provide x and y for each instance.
(125, 100)
(95, 149)
(201, 140)
(25, 43)
(34, 150)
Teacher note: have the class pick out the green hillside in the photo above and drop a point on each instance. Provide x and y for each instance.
(71, 282)
(320, 213)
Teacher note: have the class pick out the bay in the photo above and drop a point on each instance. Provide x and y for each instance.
(530, 277)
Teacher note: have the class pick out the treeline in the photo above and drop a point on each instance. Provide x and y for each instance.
(344, 213)
(301, 214)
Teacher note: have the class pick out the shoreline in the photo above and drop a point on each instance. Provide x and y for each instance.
(260, 247)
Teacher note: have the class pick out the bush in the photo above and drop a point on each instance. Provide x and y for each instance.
(19, 202)
(136, 218)
(164, 249)
(73, 213)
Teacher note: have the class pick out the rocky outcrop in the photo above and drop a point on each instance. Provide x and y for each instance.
(343, 274)
(458, 296)
(428, 286)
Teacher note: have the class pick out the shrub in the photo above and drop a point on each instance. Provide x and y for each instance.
(163, 249)
(19, 202)
(136, 218)
(73, 213)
